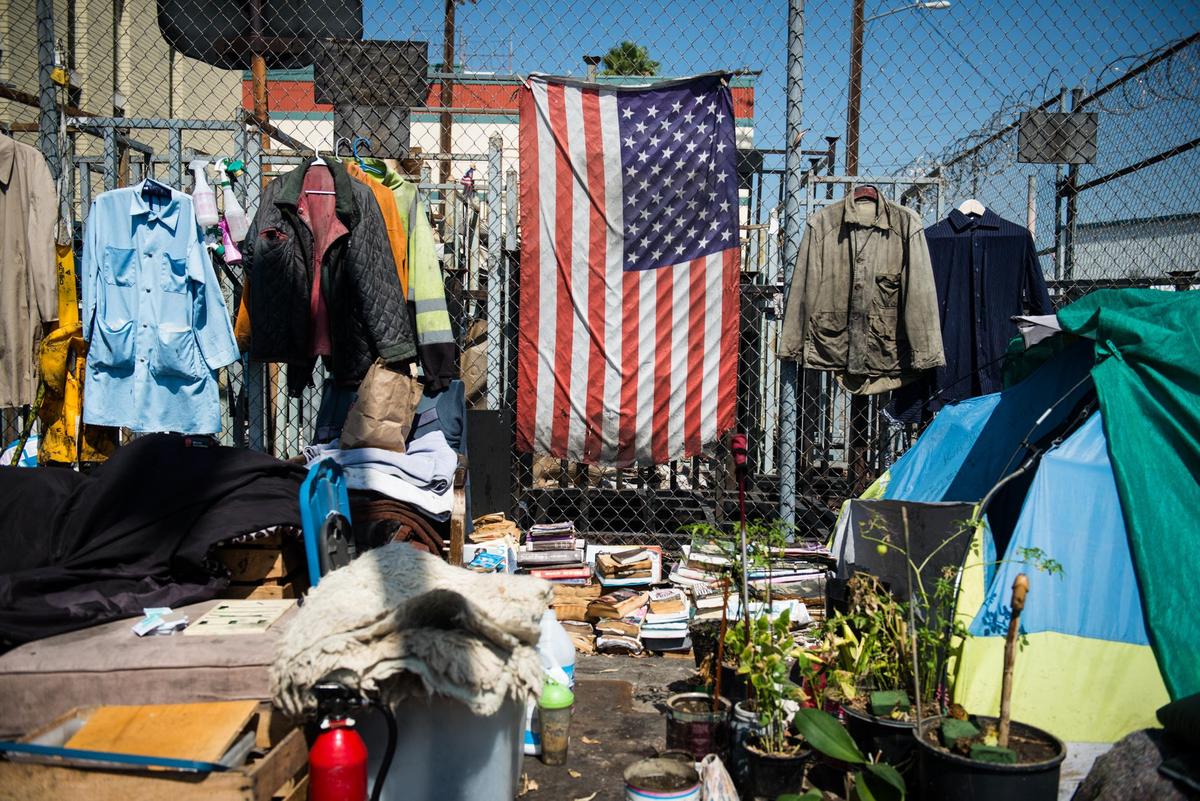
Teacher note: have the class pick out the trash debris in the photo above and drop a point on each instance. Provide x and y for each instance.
(574, 774)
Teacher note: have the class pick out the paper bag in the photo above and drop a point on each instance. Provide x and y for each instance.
(382, 416)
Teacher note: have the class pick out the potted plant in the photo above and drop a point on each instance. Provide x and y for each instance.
(990, 758)
(765, 655)
(721, 553)
(864, 779)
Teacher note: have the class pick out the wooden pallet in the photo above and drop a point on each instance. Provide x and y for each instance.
(280, 773)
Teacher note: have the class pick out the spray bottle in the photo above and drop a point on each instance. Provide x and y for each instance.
(235, 215)
(228, 249)
(203, 198)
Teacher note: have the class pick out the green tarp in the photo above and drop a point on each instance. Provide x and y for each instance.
(1147, 376)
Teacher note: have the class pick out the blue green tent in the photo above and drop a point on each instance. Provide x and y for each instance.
(1097, 453)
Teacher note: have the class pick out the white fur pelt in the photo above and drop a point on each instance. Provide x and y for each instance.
(409, 624)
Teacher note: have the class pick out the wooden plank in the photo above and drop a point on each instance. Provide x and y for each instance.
(268, 591)
(280, 765)
(201, 732)
(298, 792)
(260, 564)
(24, 781)
(458, 517)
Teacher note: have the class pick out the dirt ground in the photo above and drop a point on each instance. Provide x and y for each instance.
(618, 719)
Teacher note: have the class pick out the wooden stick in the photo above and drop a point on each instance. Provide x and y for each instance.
(1020, 587)
(720, 659)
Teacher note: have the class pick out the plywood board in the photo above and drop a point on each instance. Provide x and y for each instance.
(267, 591)
(181, 731)
(239, 617)
(259, 564)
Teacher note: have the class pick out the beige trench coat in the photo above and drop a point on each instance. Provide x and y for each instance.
(28, 215)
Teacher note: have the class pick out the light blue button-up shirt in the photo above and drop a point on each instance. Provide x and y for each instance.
(154, 316)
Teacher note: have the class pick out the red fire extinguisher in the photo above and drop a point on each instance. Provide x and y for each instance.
(337, 760)
(337, 763)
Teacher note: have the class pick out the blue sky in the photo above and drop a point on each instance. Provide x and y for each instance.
(930, 77)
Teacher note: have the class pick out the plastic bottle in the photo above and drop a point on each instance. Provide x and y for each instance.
(554, 710)
(235, 215)
(203, 198)
(557, 654)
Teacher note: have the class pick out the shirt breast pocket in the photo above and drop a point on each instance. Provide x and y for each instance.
(120, 266)
(119, 273)
(887, 288)
(174, 277)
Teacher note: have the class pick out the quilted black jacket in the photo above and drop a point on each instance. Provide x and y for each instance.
(368, 316)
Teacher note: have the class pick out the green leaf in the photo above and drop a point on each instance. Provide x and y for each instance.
(811, 795)
(882, 781)
(824, 733)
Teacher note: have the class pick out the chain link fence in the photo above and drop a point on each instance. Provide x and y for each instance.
(923, 98)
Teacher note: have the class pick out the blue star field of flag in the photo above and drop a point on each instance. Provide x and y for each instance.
(678, 171)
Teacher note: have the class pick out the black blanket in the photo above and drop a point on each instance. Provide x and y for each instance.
(77, 550)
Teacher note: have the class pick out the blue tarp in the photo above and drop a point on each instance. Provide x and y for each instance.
(971, 445)
(1072, 513)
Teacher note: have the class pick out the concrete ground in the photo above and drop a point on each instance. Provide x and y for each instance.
(618, 719)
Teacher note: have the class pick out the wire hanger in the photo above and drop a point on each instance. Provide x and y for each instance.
(364, 166)
(337, 146)
(972, 207)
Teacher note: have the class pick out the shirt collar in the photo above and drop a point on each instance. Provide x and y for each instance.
(861, 214)
(291, 184)
(961, 222)
(8, 155)
(167, 215)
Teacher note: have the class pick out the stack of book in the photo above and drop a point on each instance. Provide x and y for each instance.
(665, 627)
(619, 617)
(631, 563)
(583, 637)
(553, 552)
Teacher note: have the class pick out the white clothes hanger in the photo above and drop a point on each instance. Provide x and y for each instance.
(973, 207)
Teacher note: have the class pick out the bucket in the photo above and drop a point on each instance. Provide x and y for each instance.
(743, 723)
(662, 779)
(693, 727)
(447, 752)
(947, 777)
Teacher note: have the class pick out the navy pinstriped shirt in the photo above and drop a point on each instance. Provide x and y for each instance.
(986, 271)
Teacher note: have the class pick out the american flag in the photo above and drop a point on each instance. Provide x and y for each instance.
(629, 269)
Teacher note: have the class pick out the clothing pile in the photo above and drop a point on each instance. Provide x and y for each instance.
(82, 549)
(407, 624)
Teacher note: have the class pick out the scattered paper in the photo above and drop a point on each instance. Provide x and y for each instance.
(589, 741)
(527, 785)
(574, 774)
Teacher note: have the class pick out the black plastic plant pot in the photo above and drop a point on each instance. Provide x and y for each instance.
(946, 776)
(891, 739)
(773, 775)
(733, 684)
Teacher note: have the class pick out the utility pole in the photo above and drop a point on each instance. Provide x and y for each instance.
(447, 93)
(854, 96)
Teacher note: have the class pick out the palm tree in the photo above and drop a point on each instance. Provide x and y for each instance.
(628, 58)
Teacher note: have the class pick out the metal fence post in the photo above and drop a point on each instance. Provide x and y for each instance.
(47, 104)
(495, 272)
(793, 176)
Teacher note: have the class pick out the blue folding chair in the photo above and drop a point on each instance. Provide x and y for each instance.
(325, 516)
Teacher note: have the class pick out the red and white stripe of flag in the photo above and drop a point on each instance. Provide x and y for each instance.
(613, 367)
